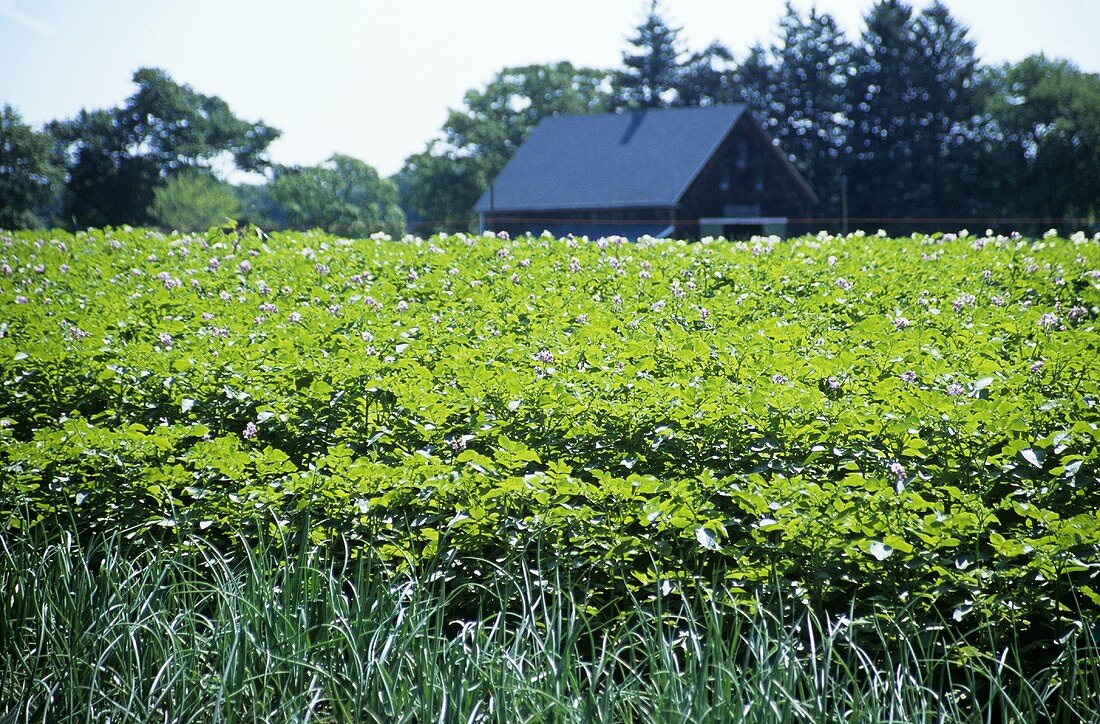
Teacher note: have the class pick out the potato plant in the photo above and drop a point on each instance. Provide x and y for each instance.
(845, 417)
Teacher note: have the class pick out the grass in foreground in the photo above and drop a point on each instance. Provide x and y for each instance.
(290, 632)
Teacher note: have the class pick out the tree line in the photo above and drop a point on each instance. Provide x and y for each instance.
(902, 122)
(158, 159)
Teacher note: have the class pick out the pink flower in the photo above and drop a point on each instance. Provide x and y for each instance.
(963, 301)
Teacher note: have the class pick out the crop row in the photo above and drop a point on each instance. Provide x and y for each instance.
(898, 419)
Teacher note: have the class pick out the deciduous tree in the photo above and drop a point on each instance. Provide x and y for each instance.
(193, 201)
(441, 184)
(343, 196)
(28, 176)
(117, 157)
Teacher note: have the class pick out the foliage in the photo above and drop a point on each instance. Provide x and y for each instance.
(193, 201)
(848, 418)
(651, 73)
(800, 89)
(28, 177)
(445, 181)
(258, 208)
(342, 196)
(1047, 113)
(118, 157)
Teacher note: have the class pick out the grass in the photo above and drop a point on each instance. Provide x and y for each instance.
(287, 631)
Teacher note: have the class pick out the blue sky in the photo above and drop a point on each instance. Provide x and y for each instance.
(374, 78)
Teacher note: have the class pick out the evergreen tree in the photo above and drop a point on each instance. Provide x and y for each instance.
(805, 98)
(755, 83)
(947, 113)
(651, 65)
(916, 127)
(881, 168)
(706, 78)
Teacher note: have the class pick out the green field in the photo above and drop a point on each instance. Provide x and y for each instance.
(472, 478)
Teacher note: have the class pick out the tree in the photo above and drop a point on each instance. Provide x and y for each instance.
(706, 78)
(193, 201)
(651, 70)
(258, 208)
(948, 113)
(117, 157)
(881, 168)
(799, 89)
(1046, 115)
(441, 184)
(106, 184)
(342, 196)
(28, 176)
(175, 127)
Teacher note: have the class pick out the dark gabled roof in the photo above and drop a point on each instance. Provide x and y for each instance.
(611, 160)
(635, 159)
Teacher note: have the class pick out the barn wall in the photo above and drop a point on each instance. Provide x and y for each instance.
(759, 183)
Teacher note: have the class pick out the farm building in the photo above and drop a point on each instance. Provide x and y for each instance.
(685, 172)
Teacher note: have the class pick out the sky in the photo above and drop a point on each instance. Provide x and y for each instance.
(374, 78)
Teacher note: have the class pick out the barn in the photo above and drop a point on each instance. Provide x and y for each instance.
(683, 172)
